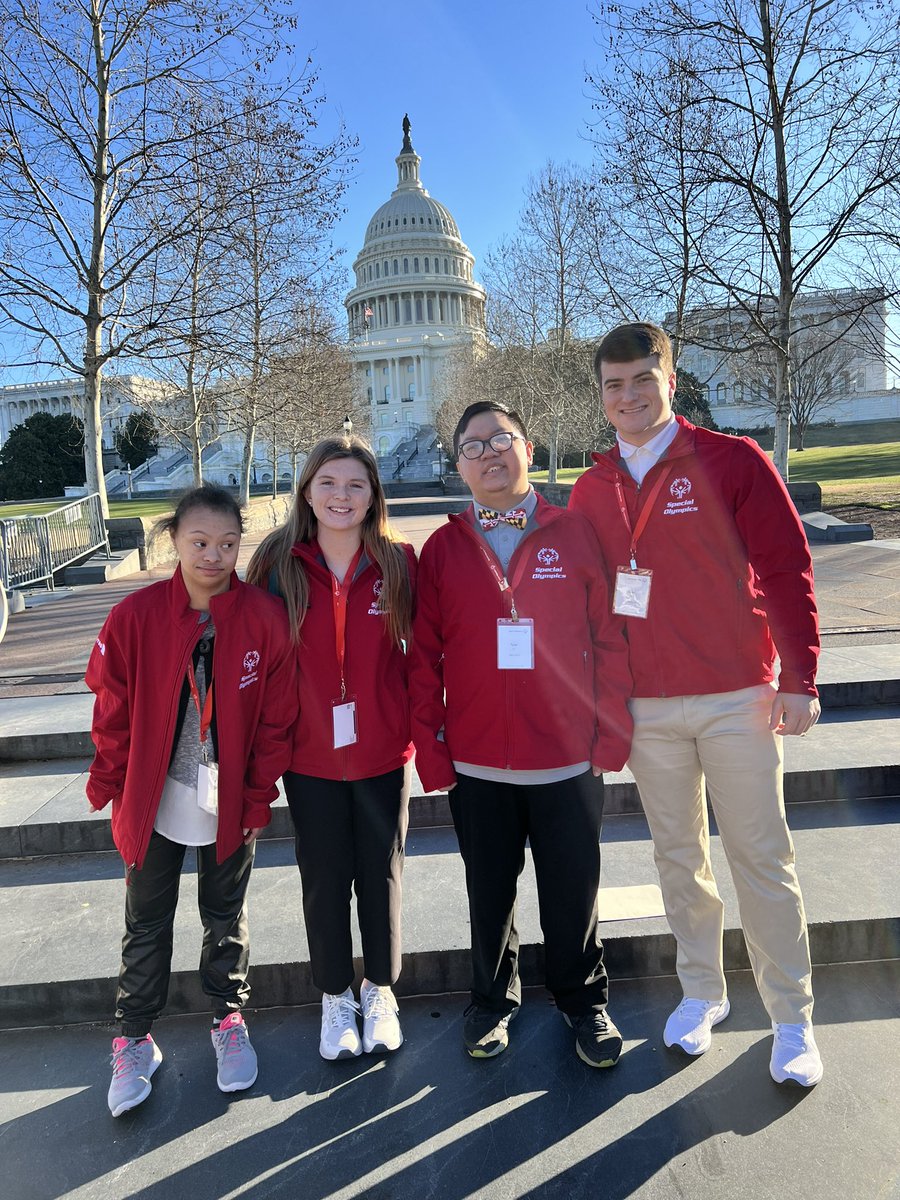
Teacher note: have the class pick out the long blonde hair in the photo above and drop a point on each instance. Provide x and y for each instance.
(379, 540)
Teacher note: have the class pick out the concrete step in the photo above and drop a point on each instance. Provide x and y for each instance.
(61, 917)
(101, 569)
(44, 727)
(852, 754)
(823, 527)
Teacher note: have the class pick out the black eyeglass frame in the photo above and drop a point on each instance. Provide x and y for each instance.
(501, 436)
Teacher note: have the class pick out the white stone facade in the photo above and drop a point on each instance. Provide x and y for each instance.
(62, 397)
(859, 385)
(415, 303)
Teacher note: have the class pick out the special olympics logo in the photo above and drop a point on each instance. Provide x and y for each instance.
(548, 556)
(680, 488)
(251, 660)
(377, 588)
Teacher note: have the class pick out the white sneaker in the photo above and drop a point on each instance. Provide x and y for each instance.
(795, 1055)
(381, 1027)
(340, 1035)
(690, 1025)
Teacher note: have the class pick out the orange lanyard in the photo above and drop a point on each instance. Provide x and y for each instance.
(643, 516)
(206, 714)
(339, 593)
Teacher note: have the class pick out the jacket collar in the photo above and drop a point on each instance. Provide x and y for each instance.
(543, 514)
(220, 606)
(681, 446)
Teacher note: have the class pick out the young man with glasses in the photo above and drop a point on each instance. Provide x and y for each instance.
(519, 685)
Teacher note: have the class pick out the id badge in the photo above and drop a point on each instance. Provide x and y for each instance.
(208, 787)
(515, 644)
(343, 722)
(632, 594)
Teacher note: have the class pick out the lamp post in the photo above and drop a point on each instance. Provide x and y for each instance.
(440, 450)
(348, 426)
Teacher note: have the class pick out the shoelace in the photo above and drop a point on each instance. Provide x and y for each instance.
(126, 1058)
(695, 1010)
(793, 1037)
(376, 1004)
(231, 1041)
(340, 1011)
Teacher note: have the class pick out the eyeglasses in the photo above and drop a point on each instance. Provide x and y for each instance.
(497, 441)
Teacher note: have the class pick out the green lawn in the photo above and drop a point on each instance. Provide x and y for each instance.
(117, 508)
(861, 472)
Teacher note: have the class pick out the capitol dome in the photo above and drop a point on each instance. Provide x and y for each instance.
(415, 301)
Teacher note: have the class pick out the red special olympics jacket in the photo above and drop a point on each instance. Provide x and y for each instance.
(732, 574)
(374, 673)
(137, 668)
(572, 707)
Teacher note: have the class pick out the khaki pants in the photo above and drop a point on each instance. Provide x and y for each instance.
(724, 738)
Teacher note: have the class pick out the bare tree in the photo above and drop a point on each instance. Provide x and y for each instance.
(286, 194)
(87, 93)
(543, 299)
(808, 95)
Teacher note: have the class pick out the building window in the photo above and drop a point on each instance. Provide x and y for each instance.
(861, 378)
(396, 312)
(386, 272)
(411, 393)
(426, 266)
(418, 309)
(410, 368)
(738, 392)
(378, 270)
(430, 307)
(721, 394)
(369, 372)
(395, 266)
(416, 266)
(406, 266)
(369, 394)
(446, 268)
(407, 312)
(387, 394)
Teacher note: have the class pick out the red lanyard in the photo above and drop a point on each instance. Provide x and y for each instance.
(206, 714)
(502, 582)
(339, 593)
(643, 516)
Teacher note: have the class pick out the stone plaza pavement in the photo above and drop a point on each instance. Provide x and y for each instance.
(429, 1122)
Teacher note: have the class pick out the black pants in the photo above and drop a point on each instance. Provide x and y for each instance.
(151, 895)
(562, 823)
(351, 835)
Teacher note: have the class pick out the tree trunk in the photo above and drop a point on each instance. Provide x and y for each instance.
(553, 448)
(247, 462)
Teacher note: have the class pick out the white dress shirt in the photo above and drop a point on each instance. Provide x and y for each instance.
(639, 459)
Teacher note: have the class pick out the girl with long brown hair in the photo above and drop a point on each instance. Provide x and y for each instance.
(347, 583)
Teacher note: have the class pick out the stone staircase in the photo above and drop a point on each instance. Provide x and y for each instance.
(61, 907)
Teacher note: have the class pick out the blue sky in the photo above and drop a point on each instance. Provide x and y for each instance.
(493, 90)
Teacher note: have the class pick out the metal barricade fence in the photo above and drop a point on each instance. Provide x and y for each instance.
(33, 548)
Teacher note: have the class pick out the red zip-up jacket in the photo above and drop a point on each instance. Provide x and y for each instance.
(572, 707)
(374, 672)
(732, 574)
(137, 669)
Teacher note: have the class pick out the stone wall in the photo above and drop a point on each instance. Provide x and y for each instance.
(128, 533)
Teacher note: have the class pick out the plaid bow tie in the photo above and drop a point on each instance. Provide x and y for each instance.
(489, 518)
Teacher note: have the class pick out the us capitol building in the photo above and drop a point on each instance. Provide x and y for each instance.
(415, 304)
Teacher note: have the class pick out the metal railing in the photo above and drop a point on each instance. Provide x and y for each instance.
(33, 548)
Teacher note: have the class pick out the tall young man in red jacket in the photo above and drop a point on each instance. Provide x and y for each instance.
(519, 683)
(713, 575)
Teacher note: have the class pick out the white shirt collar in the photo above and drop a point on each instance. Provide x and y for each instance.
(658, 444)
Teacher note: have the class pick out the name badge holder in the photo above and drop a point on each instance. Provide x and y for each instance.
(631, 597)
(344, 728)
(207, 769)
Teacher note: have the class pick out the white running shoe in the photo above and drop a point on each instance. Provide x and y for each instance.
(690, 1025)
(340, 1035)
(381, 1024)
(795, 1055)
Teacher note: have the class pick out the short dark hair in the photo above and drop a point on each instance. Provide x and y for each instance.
(483, 406)
(639, 339)
(208, 495)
